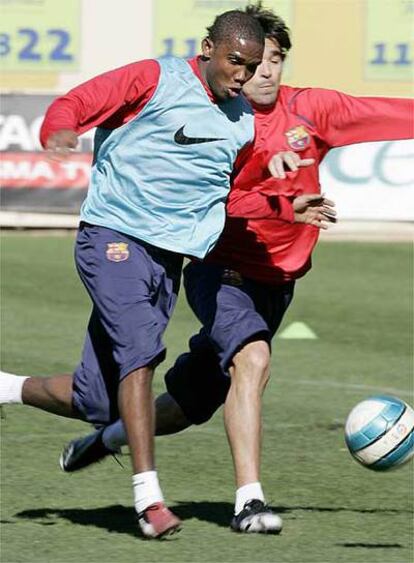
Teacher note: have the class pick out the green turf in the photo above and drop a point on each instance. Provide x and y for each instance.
(357, 301)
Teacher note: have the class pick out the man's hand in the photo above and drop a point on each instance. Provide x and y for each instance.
(287, 159)
(314, 209)
(60, 144)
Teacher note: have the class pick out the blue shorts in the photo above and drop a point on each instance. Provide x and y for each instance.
(233, 311)
(134, 288)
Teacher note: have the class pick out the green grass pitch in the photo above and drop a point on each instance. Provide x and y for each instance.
(357, 300)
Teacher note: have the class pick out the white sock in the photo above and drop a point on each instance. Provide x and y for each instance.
(11, 388)
(147, 490)
(248, 492)
(114, 436)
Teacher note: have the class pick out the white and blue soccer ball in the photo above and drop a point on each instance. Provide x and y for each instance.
(379, 432)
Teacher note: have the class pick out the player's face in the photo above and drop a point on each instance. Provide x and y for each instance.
(262, 89)
(230, 65)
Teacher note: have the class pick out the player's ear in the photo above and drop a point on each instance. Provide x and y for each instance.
(207, 48)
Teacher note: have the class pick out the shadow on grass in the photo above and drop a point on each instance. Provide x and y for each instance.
(372, 545)
(220, 513)
(121, 519)
(116, 518)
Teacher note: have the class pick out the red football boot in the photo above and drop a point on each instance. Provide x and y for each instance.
(157, 521)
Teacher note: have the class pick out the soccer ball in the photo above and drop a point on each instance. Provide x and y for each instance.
(379, 432)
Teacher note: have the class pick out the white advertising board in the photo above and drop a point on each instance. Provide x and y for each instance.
(371, 181)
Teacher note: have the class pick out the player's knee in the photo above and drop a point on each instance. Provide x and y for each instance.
(254, 355)
(253, 362)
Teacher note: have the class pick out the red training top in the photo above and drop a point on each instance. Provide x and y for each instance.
(271, 248)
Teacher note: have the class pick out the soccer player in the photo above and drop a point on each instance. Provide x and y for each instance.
(242, 290)
(168, 134)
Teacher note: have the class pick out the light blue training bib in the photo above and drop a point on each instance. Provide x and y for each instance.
(164, 176)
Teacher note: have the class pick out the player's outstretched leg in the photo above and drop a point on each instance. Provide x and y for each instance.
(256, 517)
(51, 394)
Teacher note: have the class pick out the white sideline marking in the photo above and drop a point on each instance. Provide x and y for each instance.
(322, 383)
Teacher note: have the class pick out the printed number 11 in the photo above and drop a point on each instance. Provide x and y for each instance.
(403, 58)
(170, 45)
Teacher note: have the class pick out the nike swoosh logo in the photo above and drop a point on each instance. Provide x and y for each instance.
(181, 139)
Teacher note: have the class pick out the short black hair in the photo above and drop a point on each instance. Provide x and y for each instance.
(238, 22)
(274, 26)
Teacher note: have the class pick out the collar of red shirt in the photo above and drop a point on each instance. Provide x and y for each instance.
(262, 110)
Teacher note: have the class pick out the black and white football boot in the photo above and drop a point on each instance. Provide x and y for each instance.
(85, 451)
(256, 518)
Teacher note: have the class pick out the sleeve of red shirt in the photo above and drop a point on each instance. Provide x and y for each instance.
(110, 99)
(257, 204)
(256, 199)
(341, 119)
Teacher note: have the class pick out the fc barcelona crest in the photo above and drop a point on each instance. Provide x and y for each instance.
(117, 251)
(298, 138)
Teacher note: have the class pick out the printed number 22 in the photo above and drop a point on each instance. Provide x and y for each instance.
(58, 52)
